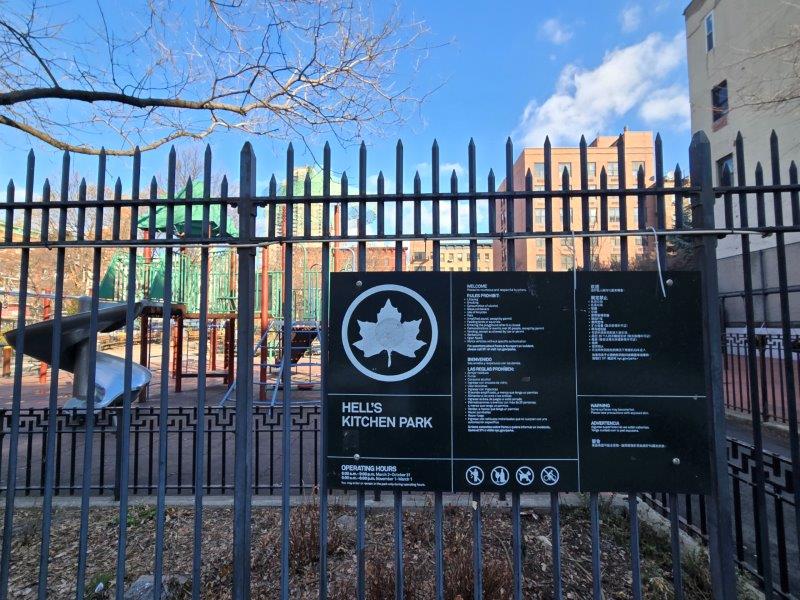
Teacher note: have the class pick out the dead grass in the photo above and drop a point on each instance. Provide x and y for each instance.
(418, 551)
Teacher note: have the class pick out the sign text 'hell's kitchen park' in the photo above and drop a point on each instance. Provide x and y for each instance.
(588, 381)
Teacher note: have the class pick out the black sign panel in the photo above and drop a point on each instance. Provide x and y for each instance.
(516, 381)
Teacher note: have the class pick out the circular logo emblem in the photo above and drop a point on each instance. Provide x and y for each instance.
(549, 476)
(474, 475)
(525, 476)
(387, 332)
(499, 476)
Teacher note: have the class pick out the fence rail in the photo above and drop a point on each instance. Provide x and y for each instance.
(305, 426)
(182, 433)
(779, 510)
(770, 374)
(40, 230)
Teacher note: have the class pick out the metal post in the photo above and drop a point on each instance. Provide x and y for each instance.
(286, 374)
(264, 314)
(243, 470)
(323, 486)
(80, 379)
(723, 577)
(179, 353)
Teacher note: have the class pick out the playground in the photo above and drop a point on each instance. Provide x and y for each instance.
(168, 295)
(167, 284)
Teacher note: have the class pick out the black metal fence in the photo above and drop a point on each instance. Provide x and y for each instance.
(182, 443)
(305, 429)
(779, 513)
(770, 373)
(654, 212)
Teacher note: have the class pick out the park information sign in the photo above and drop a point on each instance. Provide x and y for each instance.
(588, 381)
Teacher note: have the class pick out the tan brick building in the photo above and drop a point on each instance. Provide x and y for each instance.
(379, 258)
(453, 256)
(602, 154)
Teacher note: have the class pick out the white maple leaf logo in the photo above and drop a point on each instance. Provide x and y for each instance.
(389, 333)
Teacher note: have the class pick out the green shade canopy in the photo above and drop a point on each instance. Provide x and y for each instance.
(112, 284)
(196, 219)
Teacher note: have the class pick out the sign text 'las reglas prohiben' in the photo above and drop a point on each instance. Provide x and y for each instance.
(516, 381)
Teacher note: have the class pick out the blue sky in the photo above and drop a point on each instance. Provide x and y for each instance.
(517, 68)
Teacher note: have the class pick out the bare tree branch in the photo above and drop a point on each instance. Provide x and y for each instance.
(773, 73)
(83, 149)
(150, 76)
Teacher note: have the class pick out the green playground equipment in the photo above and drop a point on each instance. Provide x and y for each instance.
(186, 271)
(185, 280)
(306, 297)
(192, 226)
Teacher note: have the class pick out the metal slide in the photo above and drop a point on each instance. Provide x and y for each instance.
(75, 345)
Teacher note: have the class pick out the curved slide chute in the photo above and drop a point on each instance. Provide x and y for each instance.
(75, 340)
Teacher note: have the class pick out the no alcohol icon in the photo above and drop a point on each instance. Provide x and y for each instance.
(499, 476)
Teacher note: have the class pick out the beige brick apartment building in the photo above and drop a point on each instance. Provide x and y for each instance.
(454, 256)
(602, 153)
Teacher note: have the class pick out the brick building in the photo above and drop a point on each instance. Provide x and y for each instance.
(454, 256)
(602, 153)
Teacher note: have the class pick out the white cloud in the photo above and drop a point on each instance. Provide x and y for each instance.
(630, 18)
(445, 169)
(667, 105)
(372, 184)
(587, 100)
(448, 168)
(662, 5)
(555, 31)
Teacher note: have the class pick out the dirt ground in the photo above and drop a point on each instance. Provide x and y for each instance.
(304, 554)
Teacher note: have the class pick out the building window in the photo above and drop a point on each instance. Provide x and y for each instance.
(540, 263)
(540, 242)
(592, 215)
(561, 214)
(710, 31)
(613, 215)
(538, 170)
(725, 161)
(566, 262)
(562, 166)
(539, 216)
(635, 165)
(612, 170)
(419, 256)
(591, 170)
(719, 101)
